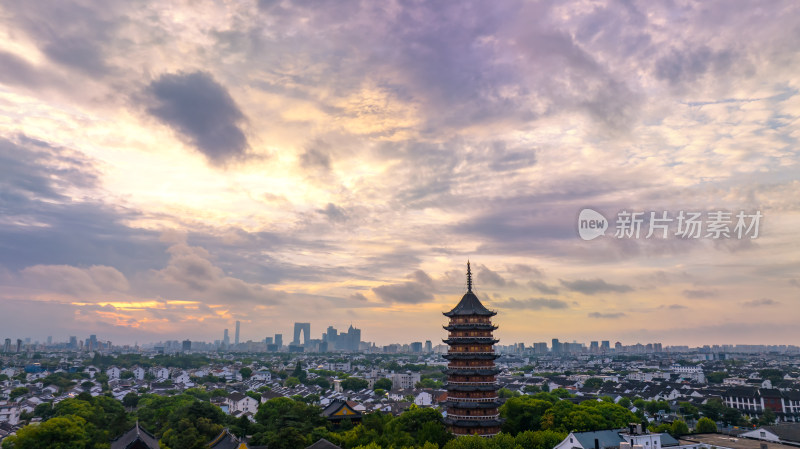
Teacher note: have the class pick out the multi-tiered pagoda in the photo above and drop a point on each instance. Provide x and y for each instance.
(472, 406)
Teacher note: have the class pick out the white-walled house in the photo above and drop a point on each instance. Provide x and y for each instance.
(138, 373)
(238, 402)
(113, 373)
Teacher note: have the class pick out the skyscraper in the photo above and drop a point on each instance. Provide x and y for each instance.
(7, 346)
(226, 340)
(187, 345)
(236, 337)
(279, 341)
(472, 401)
(428, 346)
(555, 348)
(305, 329)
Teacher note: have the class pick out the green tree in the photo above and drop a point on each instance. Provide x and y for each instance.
(688, 409)
(354, 384)
(706, 425)
(64, 432)
(506, 393)
(625, 402)
(768, 417)
(383, 384)
(523, 413)
(246, 372)
(291, 382)
(716, 377)
(679, 428)
(44, 410)
(17, 392)
(593, 383)
(773, 374)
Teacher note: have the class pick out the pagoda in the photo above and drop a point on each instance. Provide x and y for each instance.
(472, 402)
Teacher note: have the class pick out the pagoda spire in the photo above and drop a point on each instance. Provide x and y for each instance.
(469, 277)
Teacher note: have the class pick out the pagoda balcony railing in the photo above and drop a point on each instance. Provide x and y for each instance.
(455, 399)
(471, 383)
(477, 417)
(471, 352)
(472, 368)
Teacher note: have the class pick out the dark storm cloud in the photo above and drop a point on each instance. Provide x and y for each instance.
(532, 304)
(202, 111)
(612, 315)
(699, 294)
(594, 286)
(760, 302)
(419, 289)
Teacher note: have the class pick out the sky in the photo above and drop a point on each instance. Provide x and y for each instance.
(168, 168)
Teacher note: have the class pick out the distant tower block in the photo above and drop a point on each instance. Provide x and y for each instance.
(472, 402)
(236, 336)
(305, 328)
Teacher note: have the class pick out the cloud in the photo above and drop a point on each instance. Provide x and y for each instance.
(760, 302)
(191, 275)
(699, 294)
(358, 297)
(544, 288)
(532, 304)
(333, 212)
(524, 269)
(202, 111)
(610, 315)
(676, 307)
(594, 286)
(418, 290)
(486, 276)
(65, 279)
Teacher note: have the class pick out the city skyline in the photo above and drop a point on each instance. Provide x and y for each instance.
(168, 170)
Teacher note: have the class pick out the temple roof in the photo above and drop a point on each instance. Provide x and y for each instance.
(469, 304)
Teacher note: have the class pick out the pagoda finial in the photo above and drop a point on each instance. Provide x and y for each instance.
(469, 277)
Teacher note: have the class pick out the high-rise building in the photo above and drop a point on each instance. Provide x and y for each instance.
(92, 342)
(555, 347)
(73, 342)
(594, 347)
(428, 346)
(279, 341)
(49, 340)
(226, 340)
(236, 336)
(305, 328)
(540, 348)
(7, 346)
(605, 346)
(19, 345)
(268, 340)
(472, 401)
(416, 347)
